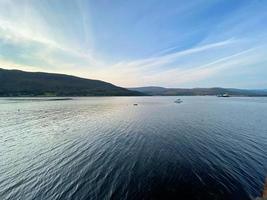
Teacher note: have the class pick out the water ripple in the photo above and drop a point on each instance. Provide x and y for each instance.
(105, 148)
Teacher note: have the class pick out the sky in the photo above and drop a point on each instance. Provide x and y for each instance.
(130, 43)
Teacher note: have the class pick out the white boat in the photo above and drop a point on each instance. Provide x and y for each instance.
(223, 95)
(178, 101)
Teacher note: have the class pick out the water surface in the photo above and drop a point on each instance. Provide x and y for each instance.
(106, 148)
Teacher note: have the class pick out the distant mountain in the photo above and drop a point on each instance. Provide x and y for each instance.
(21, 83)
(198, 91)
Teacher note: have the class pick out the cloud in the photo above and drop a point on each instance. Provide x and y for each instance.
(178, 76)
(191, 73)
(23, 27)
(162, 60)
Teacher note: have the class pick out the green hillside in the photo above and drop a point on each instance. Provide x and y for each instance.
(21, 83)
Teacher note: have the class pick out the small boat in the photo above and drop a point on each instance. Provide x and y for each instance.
(178, 101)
(223, 95)
(135, 104)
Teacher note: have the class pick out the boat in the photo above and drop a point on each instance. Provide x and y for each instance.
(178, 101)
(223, 95)
(135, 104)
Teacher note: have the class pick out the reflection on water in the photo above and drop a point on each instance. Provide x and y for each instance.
(106, 148)
(37, 99)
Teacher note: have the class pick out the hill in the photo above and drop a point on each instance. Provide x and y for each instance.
(160, 91)
(21, 83)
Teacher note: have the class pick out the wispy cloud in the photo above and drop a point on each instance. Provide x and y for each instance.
(169, 58)
(192, 72)
(181, 76)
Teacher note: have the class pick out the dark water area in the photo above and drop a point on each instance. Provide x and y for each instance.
(106, 148)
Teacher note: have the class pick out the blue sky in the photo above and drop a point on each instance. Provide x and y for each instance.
(172, 43)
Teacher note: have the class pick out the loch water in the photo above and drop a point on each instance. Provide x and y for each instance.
(107, 148)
